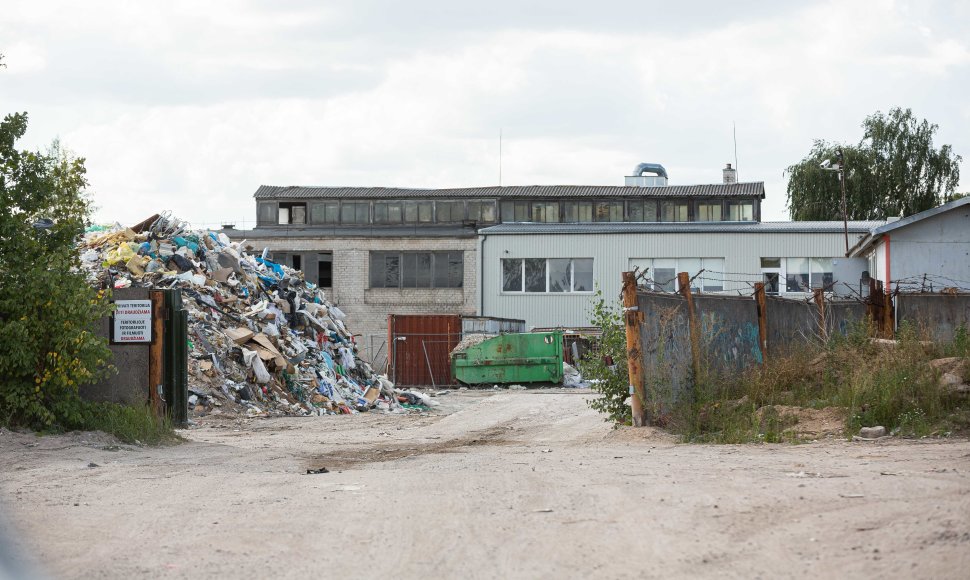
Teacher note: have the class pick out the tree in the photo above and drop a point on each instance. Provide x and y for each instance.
(895, 170)
(47, 308)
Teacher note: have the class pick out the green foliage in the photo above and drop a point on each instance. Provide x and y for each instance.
(47, 309)
(612, 381)
(129, 424)
(895, 170)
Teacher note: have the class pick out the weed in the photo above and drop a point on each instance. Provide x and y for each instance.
(129, 424)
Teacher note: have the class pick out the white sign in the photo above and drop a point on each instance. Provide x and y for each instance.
(133, 321)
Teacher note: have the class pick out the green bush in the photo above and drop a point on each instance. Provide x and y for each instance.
(611, 381)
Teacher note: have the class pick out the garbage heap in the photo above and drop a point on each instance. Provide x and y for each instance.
(263, 340)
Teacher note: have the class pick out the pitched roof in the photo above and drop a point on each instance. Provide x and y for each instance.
(752, 189)
(876, 232)
(855, 227)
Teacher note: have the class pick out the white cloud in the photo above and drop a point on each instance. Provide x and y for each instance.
(190, 108)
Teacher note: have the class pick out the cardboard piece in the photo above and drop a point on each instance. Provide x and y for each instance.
(240, 335)
(371, 394)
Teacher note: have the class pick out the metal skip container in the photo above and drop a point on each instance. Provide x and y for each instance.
(534, 357)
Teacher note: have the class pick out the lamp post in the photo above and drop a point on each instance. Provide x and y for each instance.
(840, 167)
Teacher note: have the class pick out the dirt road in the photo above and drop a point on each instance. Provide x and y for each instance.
(494, 485)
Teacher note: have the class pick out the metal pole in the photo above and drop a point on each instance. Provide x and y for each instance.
(428, 360)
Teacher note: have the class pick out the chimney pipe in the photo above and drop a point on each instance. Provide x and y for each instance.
(730, 174)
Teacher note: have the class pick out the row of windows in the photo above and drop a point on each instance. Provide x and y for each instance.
(416, 269)
(547, 275)
(427, 211)
(662, 273)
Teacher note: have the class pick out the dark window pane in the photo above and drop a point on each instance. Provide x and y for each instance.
(585, 212)
(325, 270)
(602, 211)
(424, 211)
(521, 211)
(449, 211)
(411, 212)
(512, 275)
(347, 213)
(267, 213)
(363, 213)
(332, 213)
(569, 212)
(394, 212)
(535, 275)
(508, 211)
(392, 271)
(488, 211)
(635, 211)
(456, 269)
(649, 211)
(475, 211)
(559, 275)
(616, 211)
(408, 270)
(377, 276)
(422, 265)
(583, 275)
(380, 213)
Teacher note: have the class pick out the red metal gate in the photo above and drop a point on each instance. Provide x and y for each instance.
(419, 348)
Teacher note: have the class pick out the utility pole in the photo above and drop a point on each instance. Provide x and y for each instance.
(634, 349)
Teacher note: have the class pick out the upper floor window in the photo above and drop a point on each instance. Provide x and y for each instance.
(449, 211)
(609, 211)
(708, 211)
(515, 211)
(388, 212)
(545, 211)
(740, 211)
(417, 212)
(327, 212)
(577, 211)
(641, 210)
(355, 212)
(291, 213)
(481, 211)
(673, 211)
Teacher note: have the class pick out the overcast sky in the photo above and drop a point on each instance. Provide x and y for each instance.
(190, 106)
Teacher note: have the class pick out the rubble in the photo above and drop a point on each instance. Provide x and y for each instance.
(262, 340)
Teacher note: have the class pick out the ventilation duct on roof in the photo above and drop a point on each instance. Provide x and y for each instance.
(638, 179)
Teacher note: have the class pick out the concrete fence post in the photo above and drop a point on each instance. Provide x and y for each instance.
(683, 283)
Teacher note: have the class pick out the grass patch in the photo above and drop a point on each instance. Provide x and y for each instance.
(128, 424)
(892, 385)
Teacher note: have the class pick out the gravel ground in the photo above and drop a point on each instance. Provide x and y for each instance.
(490, 485)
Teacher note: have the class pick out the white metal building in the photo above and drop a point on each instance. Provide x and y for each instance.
(546, 274)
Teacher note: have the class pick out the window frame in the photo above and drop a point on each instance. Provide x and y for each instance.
(438, 259)
(522, 277)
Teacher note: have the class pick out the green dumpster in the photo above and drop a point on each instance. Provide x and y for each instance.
(534, 357)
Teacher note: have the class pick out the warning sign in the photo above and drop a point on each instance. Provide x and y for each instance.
(132, 321)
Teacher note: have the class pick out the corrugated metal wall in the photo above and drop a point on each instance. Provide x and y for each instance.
(611, 253)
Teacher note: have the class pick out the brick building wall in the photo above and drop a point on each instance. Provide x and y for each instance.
(367, 308)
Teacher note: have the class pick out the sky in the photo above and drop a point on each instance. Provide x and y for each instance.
(191, 106)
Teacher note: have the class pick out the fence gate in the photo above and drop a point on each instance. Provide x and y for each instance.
(419, 348)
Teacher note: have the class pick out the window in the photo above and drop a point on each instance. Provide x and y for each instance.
(663, 272)
(266, 213)
(547, 275)
(577, 211)
(515, 211)
(609, 211)
(355, 212)
(297, 261)
(325, 270)
(388, 212)
(545, 211)
(325, 213)
(290, 213)
(416, 269)
(740, 211)
(708, 211)
(641, 211)
(799, 274)
(449, 211)
(481, 211)
(417, 212)
(673, 211)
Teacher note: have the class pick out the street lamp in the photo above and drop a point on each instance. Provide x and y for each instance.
(840, 167)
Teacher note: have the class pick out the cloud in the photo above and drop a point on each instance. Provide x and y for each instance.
(190, 107)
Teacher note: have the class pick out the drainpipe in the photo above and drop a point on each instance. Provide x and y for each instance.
(481, 274)
(885, 238)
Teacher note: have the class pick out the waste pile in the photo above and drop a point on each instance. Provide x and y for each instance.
(263, 340)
